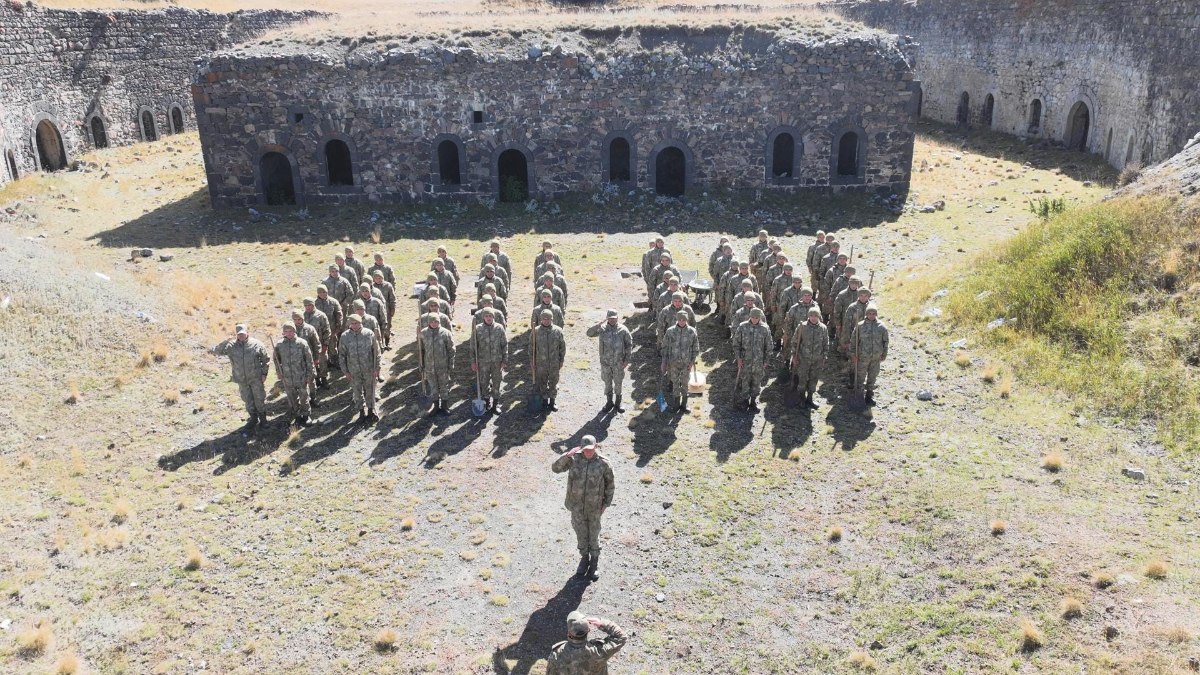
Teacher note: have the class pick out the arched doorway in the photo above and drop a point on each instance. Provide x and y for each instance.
(149, 133)
(99, 135)
(50, 150)
(670, 172)
(279, 187)
(963, 115)
(1035, 117)
(449, 169)
(989, 107)
(176, 120)
(11, 160)
(847, 162)
(620, 161)
(783, 156)
(338, 163)
(512, 169)
(1078, 126)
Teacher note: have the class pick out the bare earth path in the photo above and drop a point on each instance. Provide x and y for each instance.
(716, 551)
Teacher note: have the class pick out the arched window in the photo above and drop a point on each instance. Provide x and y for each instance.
(99, 135)
(848, 154)
(277, 181)
(1035, 117)
(15, 173)
(176, 120)
(338, 163)
(989, 107)
(512, 169)
(963, 116)
(449, 169)
(149, 133)
(1078, 126)
(783, 156)
(620, 161)
(51, 154)
(670, 172)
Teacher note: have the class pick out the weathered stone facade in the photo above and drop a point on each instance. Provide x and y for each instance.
(1123, 71)
(654, 108)
(89, 78)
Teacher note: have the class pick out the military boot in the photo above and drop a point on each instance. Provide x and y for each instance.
(593, 564)
(813, 405)
(442, 407)
(585, 562)
(754, 404)
(617, 405)
(251, 422)
(608, 404)
(371, 416)
(433, 409)
(870, 398)
(552, 407)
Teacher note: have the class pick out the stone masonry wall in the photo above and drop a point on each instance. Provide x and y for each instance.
(66, 66)
(1133, 63)
(718, 95)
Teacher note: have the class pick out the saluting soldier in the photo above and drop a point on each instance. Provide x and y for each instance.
(590, 489)
(579, 655)
(616, 346)
(250, 362)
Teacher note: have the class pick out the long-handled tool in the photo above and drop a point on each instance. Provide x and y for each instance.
(477, 406)
(535, 398)
(424, 393)
(858, 401)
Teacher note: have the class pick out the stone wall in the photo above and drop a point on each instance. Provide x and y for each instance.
(1132, 63)
(716, 97)
(66, 68)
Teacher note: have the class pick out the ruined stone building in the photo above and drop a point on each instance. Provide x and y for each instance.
(71, 81)
(1116, 78)
(669, 110)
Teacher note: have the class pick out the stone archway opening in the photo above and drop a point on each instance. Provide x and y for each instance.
(338, 163)
(279, 187)
(512, 169)
(963, 115)
(989, 109)
(847, 163)
(1080, 122)
(670, 172)
(99, 134)
(51, 154)
(176, 120)
(783, 156)
(149, 133)
(619, 161)
(1035, 117)
(449, 170)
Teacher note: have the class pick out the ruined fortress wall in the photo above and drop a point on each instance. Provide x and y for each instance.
(1131, 62)
(719, 96)
(65, 67)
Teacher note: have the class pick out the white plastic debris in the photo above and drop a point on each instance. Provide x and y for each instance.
(103, 276)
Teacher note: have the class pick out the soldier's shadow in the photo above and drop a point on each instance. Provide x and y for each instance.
(545, 628)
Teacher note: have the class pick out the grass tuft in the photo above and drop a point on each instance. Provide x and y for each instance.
(998, 527)
(834, 533)
(1070, 608)
(408, 523)
(1178, 635)
(1103, 580)
(122, 510)
(1156, 569)
(73, 393)
(862, 661)
(961, 359)
(647, 477)
(991, 371)
(170, 396)
(34, 641)
(1053, 462)
(24, 461)
(468, 555)
(1006, 384)
(193, 558)
(1031, 637)
(68, 664)
(499, 600)
(385, 640)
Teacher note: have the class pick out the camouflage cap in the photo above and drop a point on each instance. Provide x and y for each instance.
(843, 255)
(872, 308)
(807, 290)
(486, 298)
(864, 289)
(681, 315)
(611, 314)
(850, 270)
(489, 268)
(548, 275)
(439, 261)
(322, 288)
(349, 249)
(494, 242)
(241, 329)
(678, 296)
(746, 283)
(489, 257)
(727, 245)
(441, 249)
(308, 301)
(489, 287)
(377, 273)
(588, 441)
(287, 327)
(750, 298)
(297, 314)
(488, 311)
(763, 233)
(546, 293)
(546, 314)
(743, 263)
(724, 239)
(432, 302)
(431, 277)
(359, 304)
(333, 268)
(364, 286)
(788, 267)
(814, 310)
(432, 292)
(756, 313)
(668, 275)
(665, 255)
(354, 318)
(546, 243)
(377, 255)
(820, 233)
(433, 318)
(339, 257)
(833, 244)
(855, 279)
(797, 280)
(829, 238)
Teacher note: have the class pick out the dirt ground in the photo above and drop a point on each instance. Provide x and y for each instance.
(123, 456)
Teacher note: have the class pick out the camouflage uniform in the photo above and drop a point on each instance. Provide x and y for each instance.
(388, 292)
(823, 266)
(535, 319)
(501, 273)
(540, 260)
(827, 295)
(590, 488)
(752, 345)
(556, 294)
(664, 298)
(342, 291)
(443, 321)
(294, 366)
(586, 657)
(350, 275)
(616, 347)
(667, 318)
(733, 286)
(501, 287)
(375, 308)
(443, 307)
(741, 316)
(550, 351)
(680, 349)
(491, 350)
(502, 260)
(869, 344)
(649, 259)
(360, 355)
(438, 288)
(839, 284)
(758, 247)
(447, 280)
(449, 264)
(779, 284)
(656, 273)
(785, 300)
(810, 344)
(714, 257)
(250, 361)
(370, 323)
(816, 253)
(309, 334)
(795, 316)
(388, 274)
(320, 323)
(332, 309)
(497, 315)
(438, 350)
(359, 270)
(856, 311)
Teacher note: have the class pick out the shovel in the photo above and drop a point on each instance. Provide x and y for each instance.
(535, 397)
(477, 406)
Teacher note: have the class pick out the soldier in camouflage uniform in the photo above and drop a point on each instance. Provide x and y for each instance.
(347, 272)
(374, 307)
(388, 291)
(868, 349)
(797, 315)
(656, 272)
(816, 254)
(502, 260)
(546, 283)
(488, 302)
(616, 346)
(826, 293)
(752, 344)
(714, 257)
(494, 261)
(549, 351)
(546, 304)
(547, 255)
(668, 293)
(651, 258)
(779, 284)
(590, 488)
(823, 266)
(309, 334)
(763, 244)
(749, 304)
(360, 358)
(666, 317)
(445, 278)
(680, 349)
(491, 356)
(294, 367)
(332, 309)
(359, 308)
(498, 304)
(809, 261)
(339, 288)
(489, 277)
(433, 308)
(733, 285)
(787, 297)
(838, 292)
(447, 263)
(250, 361)
(354, 262)
(388, 274)
(317, 319)
(437, 346)
(855, 311)
(810, 344)
(739, 301)
(577, 655)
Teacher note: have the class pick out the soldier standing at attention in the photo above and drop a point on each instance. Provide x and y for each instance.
(389, 297)
(339, 288)
(501, 257)
(810, 345)
(667, 315)
(752, 343)
(815, 253)
(590, 487)
(616, 345)
(388, 275)
(359, 270)
(491, 356)
(763, 244)
(714, 257)
(251, 362)
(649, 260)
(317, 319)
(438, 348)
(447, 263)
(549, 351)
(868, 349)
(333, 311)
(445, 278)
(294, 366)
(360, 355)
(681, 348)
(347, 271)
(546, 305)
(579, 655)
(308, 334)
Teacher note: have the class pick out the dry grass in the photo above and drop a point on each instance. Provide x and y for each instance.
(499, 600)
(862, 661)
(961, 359)
(159, 351)
(24, 462)
(1178, 635)
(1031, 637)
(193, 558)
(122, 510)
(998, 527)
(834, 533)
(77, 467)
(1070, 608)
(408, 523)
(1006, 384)
(111, 538)
(35, 640)
(68, 664)
(646, 477)
(73, 393)
(170, 396)
(1156, 569)
(468, 555)
(1103, 580)
(385, 640)
(1053, 462)
(991, 371)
